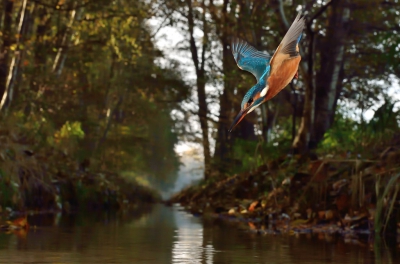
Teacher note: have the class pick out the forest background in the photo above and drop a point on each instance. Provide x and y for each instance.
(92, 97)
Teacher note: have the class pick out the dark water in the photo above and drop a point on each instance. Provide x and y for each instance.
(168, 235)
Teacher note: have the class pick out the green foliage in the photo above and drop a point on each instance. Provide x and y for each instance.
(251, 154)
(387, 189)
(71, 130)
(343, 136)
(385, 118)
(242, 150)
(7, 192)
(88, 97)
(347, 134)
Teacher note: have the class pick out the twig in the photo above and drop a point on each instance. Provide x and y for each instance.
(319, 12)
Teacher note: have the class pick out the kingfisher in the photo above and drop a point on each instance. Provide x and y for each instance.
(273, 73)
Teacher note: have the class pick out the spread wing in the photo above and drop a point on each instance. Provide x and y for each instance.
(249, 58)
(288, 48)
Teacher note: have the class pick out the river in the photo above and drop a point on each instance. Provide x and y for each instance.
(160, 234)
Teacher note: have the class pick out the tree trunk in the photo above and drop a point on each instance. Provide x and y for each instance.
(328, 81)
(61, 55)
(301, 142)
(13, 69)
(26, 34)
(323, 88)
(222, 144)
(225, 29)
(200, 81)
(110, 115)
(40, 49)
(5, 49)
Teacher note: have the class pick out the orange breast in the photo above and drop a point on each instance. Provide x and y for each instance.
(282, 76)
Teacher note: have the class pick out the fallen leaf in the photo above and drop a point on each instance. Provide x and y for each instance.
(232, 211)
(17, 224)
(253, 206)
(252, 226)
(329, 215)
(298, 222)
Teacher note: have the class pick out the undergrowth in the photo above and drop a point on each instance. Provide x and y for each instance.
(39, 171)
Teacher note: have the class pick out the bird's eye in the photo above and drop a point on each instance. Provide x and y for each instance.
(250, 101)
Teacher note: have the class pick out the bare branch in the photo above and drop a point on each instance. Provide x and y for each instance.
(318, 13)
(283, 16)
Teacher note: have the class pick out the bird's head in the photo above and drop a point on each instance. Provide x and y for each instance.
(253, 98)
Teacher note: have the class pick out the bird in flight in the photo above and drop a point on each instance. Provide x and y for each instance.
(272, 73)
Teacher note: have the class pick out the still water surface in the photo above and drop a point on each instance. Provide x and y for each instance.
(168, 235)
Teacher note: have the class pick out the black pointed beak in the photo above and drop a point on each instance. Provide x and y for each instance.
(238, 118)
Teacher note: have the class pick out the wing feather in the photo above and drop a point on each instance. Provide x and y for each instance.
(288, 48)
(241, 48)
(292, 37)
(249, 58)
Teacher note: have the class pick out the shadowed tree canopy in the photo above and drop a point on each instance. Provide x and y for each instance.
(82, 77)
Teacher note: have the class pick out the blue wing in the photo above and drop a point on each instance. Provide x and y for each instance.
(249, 58)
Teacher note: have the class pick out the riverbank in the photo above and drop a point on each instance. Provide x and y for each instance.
(302, 194)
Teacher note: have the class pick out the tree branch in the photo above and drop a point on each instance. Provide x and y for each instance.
(161, 26)
(283, 16)
(319, 12)
(193, 47)
(205, 38)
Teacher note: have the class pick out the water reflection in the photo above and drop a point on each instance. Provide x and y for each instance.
(188, 246)
(168, 235)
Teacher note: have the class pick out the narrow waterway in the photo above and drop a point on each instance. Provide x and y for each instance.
(162, 234)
